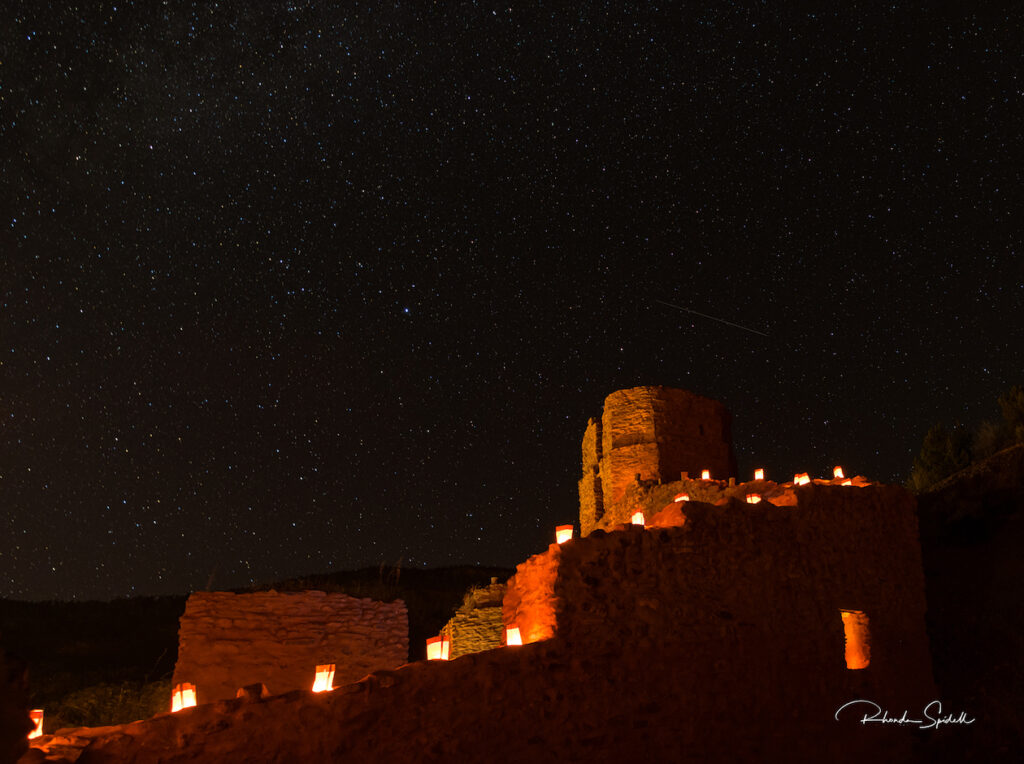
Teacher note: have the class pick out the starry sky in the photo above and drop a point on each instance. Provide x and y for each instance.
(292, 287)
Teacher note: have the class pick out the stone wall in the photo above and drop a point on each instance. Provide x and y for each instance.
(717, 638)
(477, 624)
(475, 630)
(591, 496)
(764, 585)
(654, 433)
(228, 641)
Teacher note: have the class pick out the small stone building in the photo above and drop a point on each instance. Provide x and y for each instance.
(227, 641)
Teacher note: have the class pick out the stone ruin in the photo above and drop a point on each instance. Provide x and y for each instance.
(227, 641)
(719, 630)
(477, 624)
(649, 434)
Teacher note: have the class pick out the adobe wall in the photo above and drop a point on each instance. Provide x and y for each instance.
(655, 433)
(227, 641)
(753, 592)
(712, 641)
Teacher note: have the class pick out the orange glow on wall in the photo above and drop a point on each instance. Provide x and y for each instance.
(36, 715)
(438, 648)
(563, 533)
(705, 474)
(858, 639)
(324, 681)
(682, 497)
(837, 472)
(638, 518)
(802, 479)
(759, 474)
(184, 696)
(753, 498)
(512, 636)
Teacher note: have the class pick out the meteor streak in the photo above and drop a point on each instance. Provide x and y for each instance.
(705, 315)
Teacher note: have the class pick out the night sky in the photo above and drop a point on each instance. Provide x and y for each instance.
(291, 287)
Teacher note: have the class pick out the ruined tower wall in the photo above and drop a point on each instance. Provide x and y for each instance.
(227, 641)
(591, 497)
(655, 433)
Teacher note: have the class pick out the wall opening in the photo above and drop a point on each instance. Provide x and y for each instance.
(858, 638)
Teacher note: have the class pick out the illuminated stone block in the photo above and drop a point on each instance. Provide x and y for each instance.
(682, 497)
(512, 636)
(753, 498)
(837, 472)
(705, 474)
(802, 479)
(759, 474)
(563, 533)
(638, 518)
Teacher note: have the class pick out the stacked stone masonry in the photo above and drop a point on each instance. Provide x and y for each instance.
(228, 641)
(652, 434)
(474, 631)
(477, 624)
(715, 634)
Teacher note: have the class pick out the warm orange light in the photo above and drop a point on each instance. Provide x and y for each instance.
(705, 474)
(753, 498)
(512, 636)
(184, 696)
(682, 497)
(858, 639)
(837, 472)
(438, 648)
(37, 719)
(324, 681)
(802, 479)
(638, 518)
(759, 474)
(847, 482)
(563, 533)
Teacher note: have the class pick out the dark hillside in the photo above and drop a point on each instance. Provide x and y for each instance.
(972, 533)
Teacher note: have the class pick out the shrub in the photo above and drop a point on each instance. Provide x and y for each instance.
(103, 704)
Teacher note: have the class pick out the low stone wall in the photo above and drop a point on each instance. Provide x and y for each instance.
(475, 630)
(228, 641)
